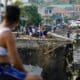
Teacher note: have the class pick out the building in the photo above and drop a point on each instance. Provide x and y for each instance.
(9, 2)
(36, 1)
(60, 9)
(77, 10)
(1, 11)
(48, 0)
(55, 1)
(57, 12)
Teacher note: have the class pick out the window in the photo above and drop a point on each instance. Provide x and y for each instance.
(50, 11)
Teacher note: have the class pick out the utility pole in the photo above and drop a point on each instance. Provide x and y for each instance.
(6, 3)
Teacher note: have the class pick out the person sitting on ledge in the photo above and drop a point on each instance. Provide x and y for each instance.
(11, 67)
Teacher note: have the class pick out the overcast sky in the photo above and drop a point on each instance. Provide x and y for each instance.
(23, 0)
(3, 1)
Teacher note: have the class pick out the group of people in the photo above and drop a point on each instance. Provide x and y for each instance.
(34, 31)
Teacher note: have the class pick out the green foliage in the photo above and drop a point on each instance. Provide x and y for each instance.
(18, 2)
(30, 13)
(33, 17)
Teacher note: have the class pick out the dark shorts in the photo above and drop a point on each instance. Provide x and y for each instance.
(8, 72)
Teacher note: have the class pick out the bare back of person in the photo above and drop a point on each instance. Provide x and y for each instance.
(3, 57)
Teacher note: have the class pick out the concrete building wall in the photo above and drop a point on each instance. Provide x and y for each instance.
(63, 9)
(77, 9)
(41, 10)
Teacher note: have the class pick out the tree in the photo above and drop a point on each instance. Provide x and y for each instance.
(18, 2)
(29, 14)
(33, 17)
(23, 14)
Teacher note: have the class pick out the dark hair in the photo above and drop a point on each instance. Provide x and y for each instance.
(12, 13)
(78, 78)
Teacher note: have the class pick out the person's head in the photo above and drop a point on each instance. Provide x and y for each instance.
(12, 15)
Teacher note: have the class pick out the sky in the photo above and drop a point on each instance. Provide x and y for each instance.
(3, 1)
(23, 0)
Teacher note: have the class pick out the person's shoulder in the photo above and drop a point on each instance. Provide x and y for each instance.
(7, 34)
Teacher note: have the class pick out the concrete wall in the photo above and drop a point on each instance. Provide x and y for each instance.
(53, 63)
